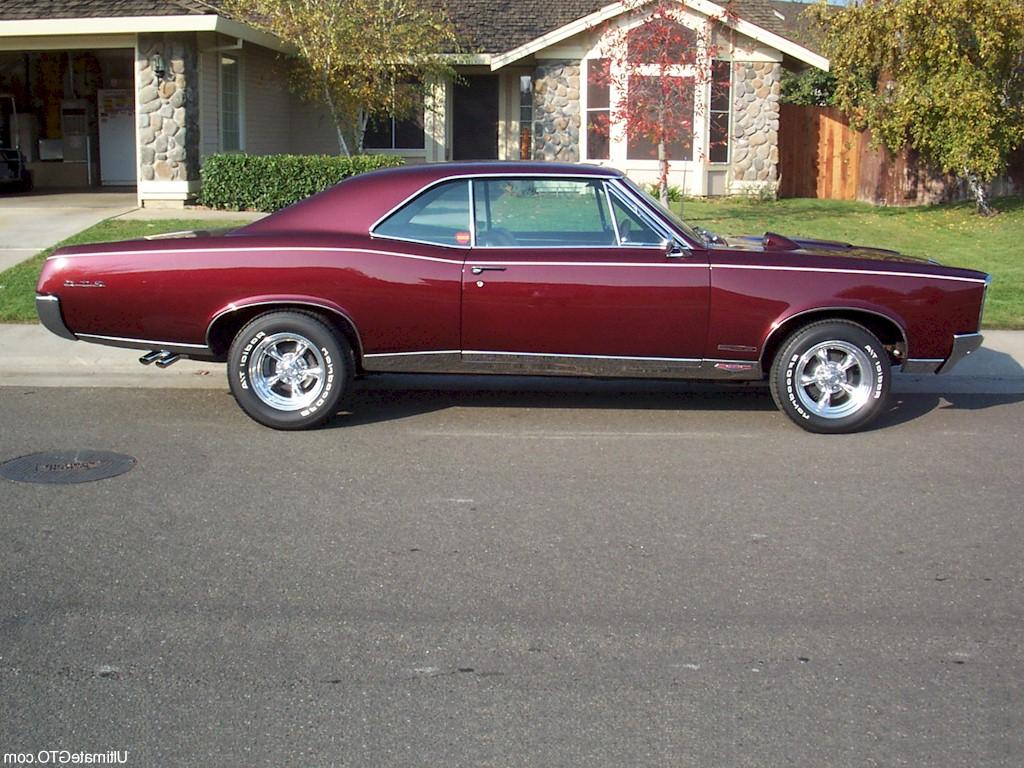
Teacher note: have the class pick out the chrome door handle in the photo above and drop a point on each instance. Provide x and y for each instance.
(480, 270)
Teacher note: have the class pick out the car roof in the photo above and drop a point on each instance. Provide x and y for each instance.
(357, 203)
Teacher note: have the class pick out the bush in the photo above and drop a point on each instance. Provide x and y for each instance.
(268, 182)
(675, 194)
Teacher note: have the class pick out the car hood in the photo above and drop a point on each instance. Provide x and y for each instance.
(773, 242)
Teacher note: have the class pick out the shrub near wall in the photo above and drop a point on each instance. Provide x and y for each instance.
(268, 182)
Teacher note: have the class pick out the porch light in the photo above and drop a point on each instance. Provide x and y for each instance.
(156, 61)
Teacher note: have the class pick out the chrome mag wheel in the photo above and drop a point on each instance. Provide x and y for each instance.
(287, 371)
(834, 379)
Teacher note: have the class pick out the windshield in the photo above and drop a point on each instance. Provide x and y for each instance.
(678, 223)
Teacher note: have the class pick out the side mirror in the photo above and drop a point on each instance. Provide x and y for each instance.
(673, 249)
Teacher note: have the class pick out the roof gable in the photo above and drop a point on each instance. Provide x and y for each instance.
(738, 21)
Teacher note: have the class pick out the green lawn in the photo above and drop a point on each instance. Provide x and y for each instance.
(951, 234)
(18, 284)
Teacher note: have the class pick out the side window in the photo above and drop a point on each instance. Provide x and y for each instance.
(633, 230)
(440, 216)
(541, 213)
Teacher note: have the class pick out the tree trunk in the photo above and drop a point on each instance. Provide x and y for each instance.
(662, 174)
(980, 192)
(342, 144)
(361, 121)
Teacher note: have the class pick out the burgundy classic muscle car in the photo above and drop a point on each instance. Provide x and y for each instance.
(521, 268)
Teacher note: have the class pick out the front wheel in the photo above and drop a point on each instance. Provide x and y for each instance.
(289, 370)
(831, 377)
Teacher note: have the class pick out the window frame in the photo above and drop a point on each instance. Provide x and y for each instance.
(601, 182)
(611, 186)
(727, 112)
(240, 101)
(415, 196)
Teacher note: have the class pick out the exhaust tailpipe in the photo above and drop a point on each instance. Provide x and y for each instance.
(150, 357)
(167, 359)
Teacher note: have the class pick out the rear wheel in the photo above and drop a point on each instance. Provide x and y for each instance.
(289, 370)
(831, 377)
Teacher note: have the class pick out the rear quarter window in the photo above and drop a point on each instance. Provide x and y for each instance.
(439, 216)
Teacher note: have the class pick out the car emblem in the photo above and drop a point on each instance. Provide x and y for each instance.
(84, 284)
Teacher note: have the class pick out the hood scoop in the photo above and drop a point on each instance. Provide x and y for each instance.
(775, 242)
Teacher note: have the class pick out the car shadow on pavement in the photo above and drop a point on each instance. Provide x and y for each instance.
(907, 407)
(390, 397)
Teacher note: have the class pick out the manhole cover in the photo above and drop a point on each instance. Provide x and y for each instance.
(66, 467)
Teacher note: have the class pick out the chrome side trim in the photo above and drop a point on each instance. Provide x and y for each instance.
(271, 249)
(48, 309)
(963, 345)
(683, 360)
(236, 307)
(131, 343)
(916, 365)
(435, 361)
(553, 364)
(488, 262)
(763, 268)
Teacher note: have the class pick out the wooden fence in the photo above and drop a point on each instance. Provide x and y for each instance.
(821, 156)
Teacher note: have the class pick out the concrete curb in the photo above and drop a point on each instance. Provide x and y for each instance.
(33, 357)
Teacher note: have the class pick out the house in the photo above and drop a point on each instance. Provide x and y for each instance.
(139, 92)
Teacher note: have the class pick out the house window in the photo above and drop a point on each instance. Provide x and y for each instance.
(649, 90)
(395, 133)
(230, 104)
(525, 117)
(721, 89)
(598, 108)
(385, 132)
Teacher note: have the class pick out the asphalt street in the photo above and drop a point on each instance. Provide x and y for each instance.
(498, 573)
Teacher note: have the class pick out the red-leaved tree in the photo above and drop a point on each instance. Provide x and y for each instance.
(658, 65)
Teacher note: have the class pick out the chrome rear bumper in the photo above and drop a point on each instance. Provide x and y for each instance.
(963, 345)
(48, 309)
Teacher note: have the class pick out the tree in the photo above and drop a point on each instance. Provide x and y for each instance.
(809, 88)
(659, 64)
(361, 58)
(945, 77)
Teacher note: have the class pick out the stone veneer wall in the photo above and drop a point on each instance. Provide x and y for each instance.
(755, 121)
(556, 111)
(168, 109)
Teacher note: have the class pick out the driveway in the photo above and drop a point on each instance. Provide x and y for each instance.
(30, 223)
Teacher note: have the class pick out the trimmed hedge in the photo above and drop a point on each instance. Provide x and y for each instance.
(240, 182)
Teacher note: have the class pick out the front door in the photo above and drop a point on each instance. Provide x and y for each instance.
(475, 120)
(552, 276)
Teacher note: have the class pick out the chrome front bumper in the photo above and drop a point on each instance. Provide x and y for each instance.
(963, 345)
(48, 309)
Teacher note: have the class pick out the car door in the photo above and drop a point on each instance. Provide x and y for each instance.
(561, 267)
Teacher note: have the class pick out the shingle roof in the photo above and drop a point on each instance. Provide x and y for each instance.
(485, 26)
(12, 10)
(495, 26)
(796, 27)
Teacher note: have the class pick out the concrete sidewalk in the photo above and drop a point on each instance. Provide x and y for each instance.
(33, 357)
(32, 222)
